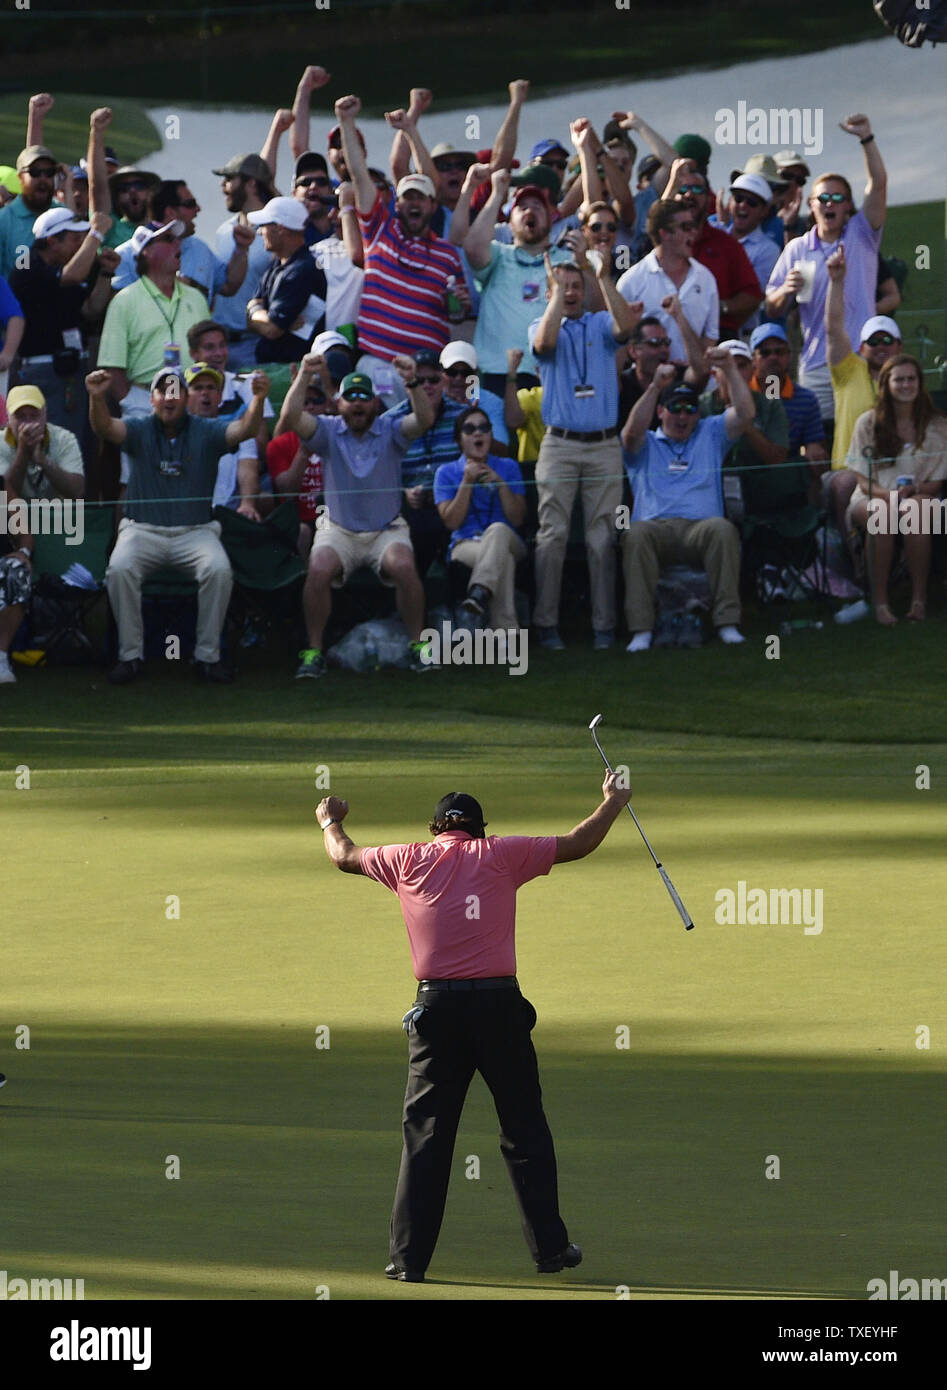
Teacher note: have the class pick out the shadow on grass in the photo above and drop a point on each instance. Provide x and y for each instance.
(288, 1155)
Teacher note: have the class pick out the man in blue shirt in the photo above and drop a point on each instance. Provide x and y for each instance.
(173, 459)
(580, 450)
(482, 501)
(362, 452)
(678, 516)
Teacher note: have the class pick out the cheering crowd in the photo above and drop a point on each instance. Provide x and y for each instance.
(433, 361)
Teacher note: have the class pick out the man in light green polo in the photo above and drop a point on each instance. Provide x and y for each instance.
(146, 325)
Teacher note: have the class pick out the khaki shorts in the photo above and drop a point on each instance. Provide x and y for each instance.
(356, 549)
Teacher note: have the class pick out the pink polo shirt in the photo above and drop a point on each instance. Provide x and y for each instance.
(458, 898)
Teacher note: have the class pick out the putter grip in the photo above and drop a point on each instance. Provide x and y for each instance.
(685, 915)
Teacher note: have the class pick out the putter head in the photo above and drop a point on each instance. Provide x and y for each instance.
(595, 723)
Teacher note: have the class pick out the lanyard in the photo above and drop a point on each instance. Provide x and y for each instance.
(574, 352)
(160, 307)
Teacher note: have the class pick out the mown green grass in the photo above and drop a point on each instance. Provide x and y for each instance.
(195, 1036)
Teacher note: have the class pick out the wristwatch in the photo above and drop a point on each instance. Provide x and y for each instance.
(410, 385)
(333, 821)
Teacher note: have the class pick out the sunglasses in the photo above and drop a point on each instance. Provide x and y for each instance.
(655, 342)
(429, 380)
(555, 163)
(456, 372)
(778, 350)
(795, 178)
(881, 340)
(692, 188)
(356, 395)
(747, 198)
(133, 186)
(681, 408)
(451, 166)
(603, 226)
(475, 429)
(826, 198)
(189, 203)
(46, 172)
(313, 181)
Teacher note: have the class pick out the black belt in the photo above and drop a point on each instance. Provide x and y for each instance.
(493, 982)
(593, 436)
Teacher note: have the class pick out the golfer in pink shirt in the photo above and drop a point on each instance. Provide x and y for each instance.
(458, 898)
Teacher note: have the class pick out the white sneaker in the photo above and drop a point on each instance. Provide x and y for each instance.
(6, 670)
(731, 635)
(640, 642)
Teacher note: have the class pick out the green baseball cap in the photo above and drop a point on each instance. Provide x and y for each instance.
(694, 147)
(357, 381)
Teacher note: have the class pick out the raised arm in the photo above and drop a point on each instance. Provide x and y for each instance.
(403, 146)
(697, 372)
(547, 331)
(250, 421)
(876, 188)
(630, 120)
(589, 834)
(838, 345)
(404, 124)
(421, 417)
(478, 239)
(100, 199)
(460, 221)
(504, 144)
(346, 112)
(345, 855)
(642, 412)
(293, 416)
(106, 426)
(739, 415)
(312, 78)
(269, 150)
(39, 108)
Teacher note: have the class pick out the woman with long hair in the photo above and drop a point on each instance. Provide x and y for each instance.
(899, 451)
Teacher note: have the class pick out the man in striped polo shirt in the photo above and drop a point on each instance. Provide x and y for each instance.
(408, 269)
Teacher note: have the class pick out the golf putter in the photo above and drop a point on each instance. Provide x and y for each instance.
(675, 898)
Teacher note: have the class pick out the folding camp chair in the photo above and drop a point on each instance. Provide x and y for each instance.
(59, 611)
(779, 527)
(268, 571)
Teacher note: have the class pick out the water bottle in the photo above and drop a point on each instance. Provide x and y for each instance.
(455, 310)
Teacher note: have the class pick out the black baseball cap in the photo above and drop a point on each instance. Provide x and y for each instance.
(312, 159)
(460, 807)
(427, 357)
(678, 391)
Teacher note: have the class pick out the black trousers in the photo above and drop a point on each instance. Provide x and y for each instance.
(460, 1033)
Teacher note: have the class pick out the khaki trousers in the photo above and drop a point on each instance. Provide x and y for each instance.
(194, 550)
(564, 467)
(493, 560)
(712, 545)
